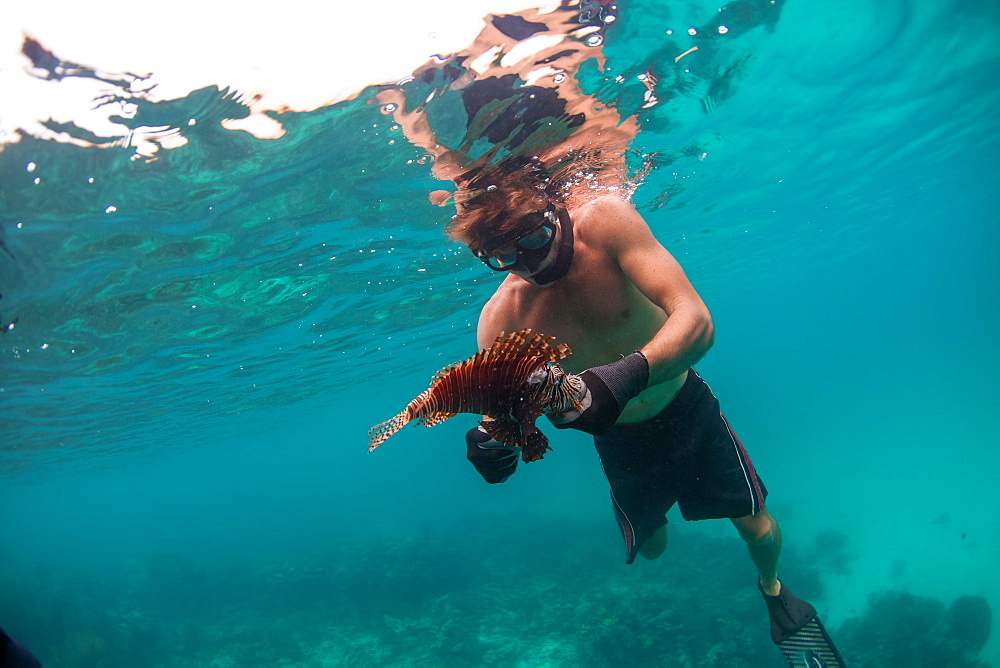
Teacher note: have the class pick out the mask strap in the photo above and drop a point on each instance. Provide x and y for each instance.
(564, 256)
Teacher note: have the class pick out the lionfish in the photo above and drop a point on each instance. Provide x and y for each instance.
(513, 382)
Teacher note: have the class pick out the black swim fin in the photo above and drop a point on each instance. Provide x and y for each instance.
(798, 632)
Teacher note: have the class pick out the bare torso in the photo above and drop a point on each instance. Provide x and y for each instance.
(595, 309)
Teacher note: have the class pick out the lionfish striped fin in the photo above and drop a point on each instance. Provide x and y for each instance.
(516, 345)
(504, 431)
(526, 343)
(432, 419)
(383, 430)
(536, 447)
(507, 432)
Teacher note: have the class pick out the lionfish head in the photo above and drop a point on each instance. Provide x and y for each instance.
(559, 390)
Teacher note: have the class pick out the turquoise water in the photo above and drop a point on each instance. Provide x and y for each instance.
(188, 384)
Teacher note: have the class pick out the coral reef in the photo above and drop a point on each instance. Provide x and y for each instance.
(487, 600)
(969, 622)
(901, 629)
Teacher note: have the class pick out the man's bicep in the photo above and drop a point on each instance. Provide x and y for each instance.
(650, 266)
(661, 279)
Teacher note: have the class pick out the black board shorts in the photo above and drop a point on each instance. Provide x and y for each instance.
(688, 455)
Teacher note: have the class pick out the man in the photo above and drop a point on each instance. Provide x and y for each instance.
(590, 273)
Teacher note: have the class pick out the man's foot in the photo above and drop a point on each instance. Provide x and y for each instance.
(788, 614)
(772, 588)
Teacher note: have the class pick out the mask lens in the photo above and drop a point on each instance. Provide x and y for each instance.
(498, 260)
(503, 260)
(536, 239)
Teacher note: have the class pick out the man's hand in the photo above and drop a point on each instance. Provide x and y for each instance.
(494, 461)
(603, 393)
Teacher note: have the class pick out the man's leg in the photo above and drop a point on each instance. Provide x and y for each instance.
(654, 546)
(795, 627)
(763, 539)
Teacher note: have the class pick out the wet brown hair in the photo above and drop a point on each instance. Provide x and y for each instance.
(492, 202)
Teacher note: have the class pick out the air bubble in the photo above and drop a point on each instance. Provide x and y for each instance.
(594, 40)
(389, 107)
(723, 30)
(559, 78)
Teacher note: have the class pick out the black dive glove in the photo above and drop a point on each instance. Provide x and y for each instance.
(494, 461)
(603, 393)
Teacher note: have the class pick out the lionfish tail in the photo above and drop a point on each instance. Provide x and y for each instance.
(384, 430)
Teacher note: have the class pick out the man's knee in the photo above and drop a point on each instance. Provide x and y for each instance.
(655, 545)
(759, 529)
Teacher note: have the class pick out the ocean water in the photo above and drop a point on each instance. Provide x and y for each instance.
(197, 339)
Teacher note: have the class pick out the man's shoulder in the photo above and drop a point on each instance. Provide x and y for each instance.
(501, 299)
(607, 221)
(602, 205)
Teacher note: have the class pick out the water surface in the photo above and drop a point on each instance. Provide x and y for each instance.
(201, 341)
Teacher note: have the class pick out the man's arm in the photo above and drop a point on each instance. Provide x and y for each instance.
(685, 336)
(688, 332)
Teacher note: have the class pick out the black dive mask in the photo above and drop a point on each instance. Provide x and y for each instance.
(532, 248)
(528, 250)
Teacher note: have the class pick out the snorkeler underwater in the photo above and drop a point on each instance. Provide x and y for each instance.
(696, 298)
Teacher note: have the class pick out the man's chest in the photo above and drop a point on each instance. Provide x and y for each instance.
(585, 315)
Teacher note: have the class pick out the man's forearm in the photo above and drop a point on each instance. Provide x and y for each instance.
(682, 340)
